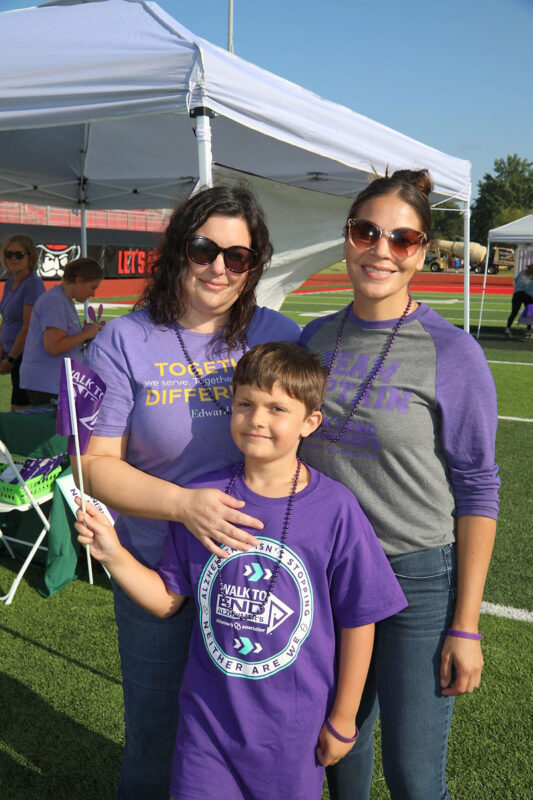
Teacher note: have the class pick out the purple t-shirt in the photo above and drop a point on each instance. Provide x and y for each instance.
(175, 430)
(12, 306)
(255, 693)
(39, 370)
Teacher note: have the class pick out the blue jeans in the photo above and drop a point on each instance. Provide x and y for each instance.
(153, 653)
(403, 687)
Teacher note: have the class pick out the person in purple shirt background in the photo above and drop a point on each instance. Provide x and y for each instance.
(164, 419)
(263, 707)
(405, 430)
(56, 332)
(23, 287)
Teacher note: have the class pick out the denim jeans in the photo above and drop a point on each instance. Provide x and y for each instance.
(403, 687)
(153, 653)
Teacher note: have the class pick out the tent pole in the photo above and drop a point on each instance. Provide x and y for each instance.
(203, 139)
(483, 289)
(83, 237)
(466, 263)
(230, 26)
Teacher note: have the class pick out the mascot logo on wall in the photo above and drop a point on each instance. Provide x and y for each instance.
(53, 258)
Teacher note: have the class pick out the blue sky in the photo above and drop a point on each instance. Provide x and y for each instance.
(455, 75)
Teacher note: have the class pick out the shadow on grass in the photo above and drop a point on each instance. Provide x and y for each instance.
(52, 652)
(45, 754)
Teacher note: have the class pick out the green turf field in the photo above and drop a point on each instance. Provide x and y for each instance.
(60, 698)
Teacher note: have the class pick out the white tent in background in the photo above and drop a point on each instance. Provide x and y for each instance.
(519, 232)
(114, 104)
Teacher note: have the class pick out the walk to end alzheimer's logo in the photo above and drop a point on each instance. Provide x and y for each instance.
(271, 639)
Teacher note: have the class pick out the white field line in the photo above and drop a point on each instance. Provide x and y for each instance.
(517, 363)
(516, 419)
(521, 614)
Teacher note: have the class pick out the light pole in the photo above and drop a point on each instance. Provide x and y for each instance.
(230, 26)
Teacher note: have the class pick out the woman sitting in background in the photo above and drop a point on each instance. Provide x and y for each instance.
(22, 288)
(55, 330)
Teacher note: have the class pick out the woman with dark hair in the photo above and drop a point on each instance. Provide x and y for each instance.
(55, 330)
(18, 255)
(168, 367)
(403, 428)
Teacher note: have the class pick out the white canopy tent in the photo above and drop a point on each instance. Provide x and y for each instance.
(116, 105)
(519, 232)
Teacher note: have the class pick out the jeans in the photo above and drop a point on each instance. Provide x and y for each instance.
(153, 653)
(403, 687)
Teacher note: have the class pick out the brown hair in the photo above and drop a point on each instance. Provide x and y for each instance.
(85, 268)
(412, 186)
(165, 296)
(27, 245)
(297, 370)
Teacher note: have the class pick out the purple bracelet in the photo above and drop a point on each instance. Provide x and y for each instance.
(339, 736)
(463, 634)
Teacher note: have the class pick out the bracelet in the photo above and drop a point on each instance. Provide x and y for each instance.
(463, 634)
(339, 736)
(11, 359)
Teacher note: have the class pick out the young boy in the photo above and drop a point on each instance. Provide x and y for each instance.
(263, 704)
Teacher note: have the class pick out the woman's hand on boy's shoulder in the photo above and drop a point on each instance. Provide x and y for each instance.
(213, 516)
(330, 749)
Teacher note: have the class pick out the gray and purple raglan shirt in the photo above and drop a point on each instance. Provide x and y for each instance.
(420, 449)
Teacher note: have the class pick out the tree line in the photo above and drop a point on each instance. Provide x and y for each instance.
(503, 196)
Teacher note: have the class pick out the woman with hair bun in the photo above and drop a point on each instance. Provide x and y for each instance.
(22, 288)
(165, 419)
(56, 332)
(404, 430)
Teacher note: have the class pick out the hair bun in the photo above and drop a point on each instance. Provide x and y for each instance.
(416, 177)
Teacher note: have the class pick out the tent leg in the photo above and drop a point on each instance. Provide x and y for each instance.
(466, 264)
(483, 289)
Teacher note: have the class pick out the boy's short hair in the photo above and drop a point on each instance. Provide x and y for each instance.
(297, 370)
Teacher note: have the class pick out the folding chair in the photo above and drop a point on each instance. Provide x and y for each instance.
(32, 502)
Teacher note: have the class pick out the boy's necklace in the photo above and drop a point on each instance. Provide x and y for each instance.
(226, 600)
(371, 377)
(194, 370)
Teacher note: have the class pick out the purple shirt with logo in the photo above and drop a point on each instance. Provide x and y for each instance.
(256, 693)
(175, 431)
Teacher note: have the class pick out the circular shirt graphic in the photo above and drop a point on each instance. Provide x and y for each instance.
(270, 641)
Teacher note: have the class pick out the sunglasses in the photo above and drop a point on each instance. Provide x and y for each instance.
(403, 242)
(204, 251)
(18, 254)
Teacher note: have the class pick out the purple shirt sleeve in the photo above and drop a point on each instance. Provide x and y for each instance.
(466, 400)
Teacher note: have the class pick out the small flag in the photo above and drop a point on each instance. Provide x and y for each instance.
(88, 392)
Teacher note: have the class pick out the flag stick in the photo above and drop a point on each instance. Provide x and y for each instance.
(74, 428)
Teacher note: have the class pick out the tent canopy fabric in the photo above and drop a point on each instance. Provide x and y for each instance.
(97, 114)
(98, 111)
(518, 232)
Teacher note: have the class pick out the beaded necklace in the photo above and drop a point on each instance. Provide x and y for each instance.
(194, 370)
(225, 599)
(371, 377)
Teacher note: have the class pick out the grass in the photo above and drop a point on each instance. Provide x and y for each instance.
(61, 727)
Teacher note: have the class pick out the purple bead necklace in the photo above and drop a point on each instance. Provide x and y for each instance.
(194, 370)
(225, 599)
(371, 377)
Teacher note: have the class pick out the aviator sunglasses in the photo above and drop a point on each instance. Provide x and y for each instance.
(403, 242)
(204, 251)
(18, 254)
